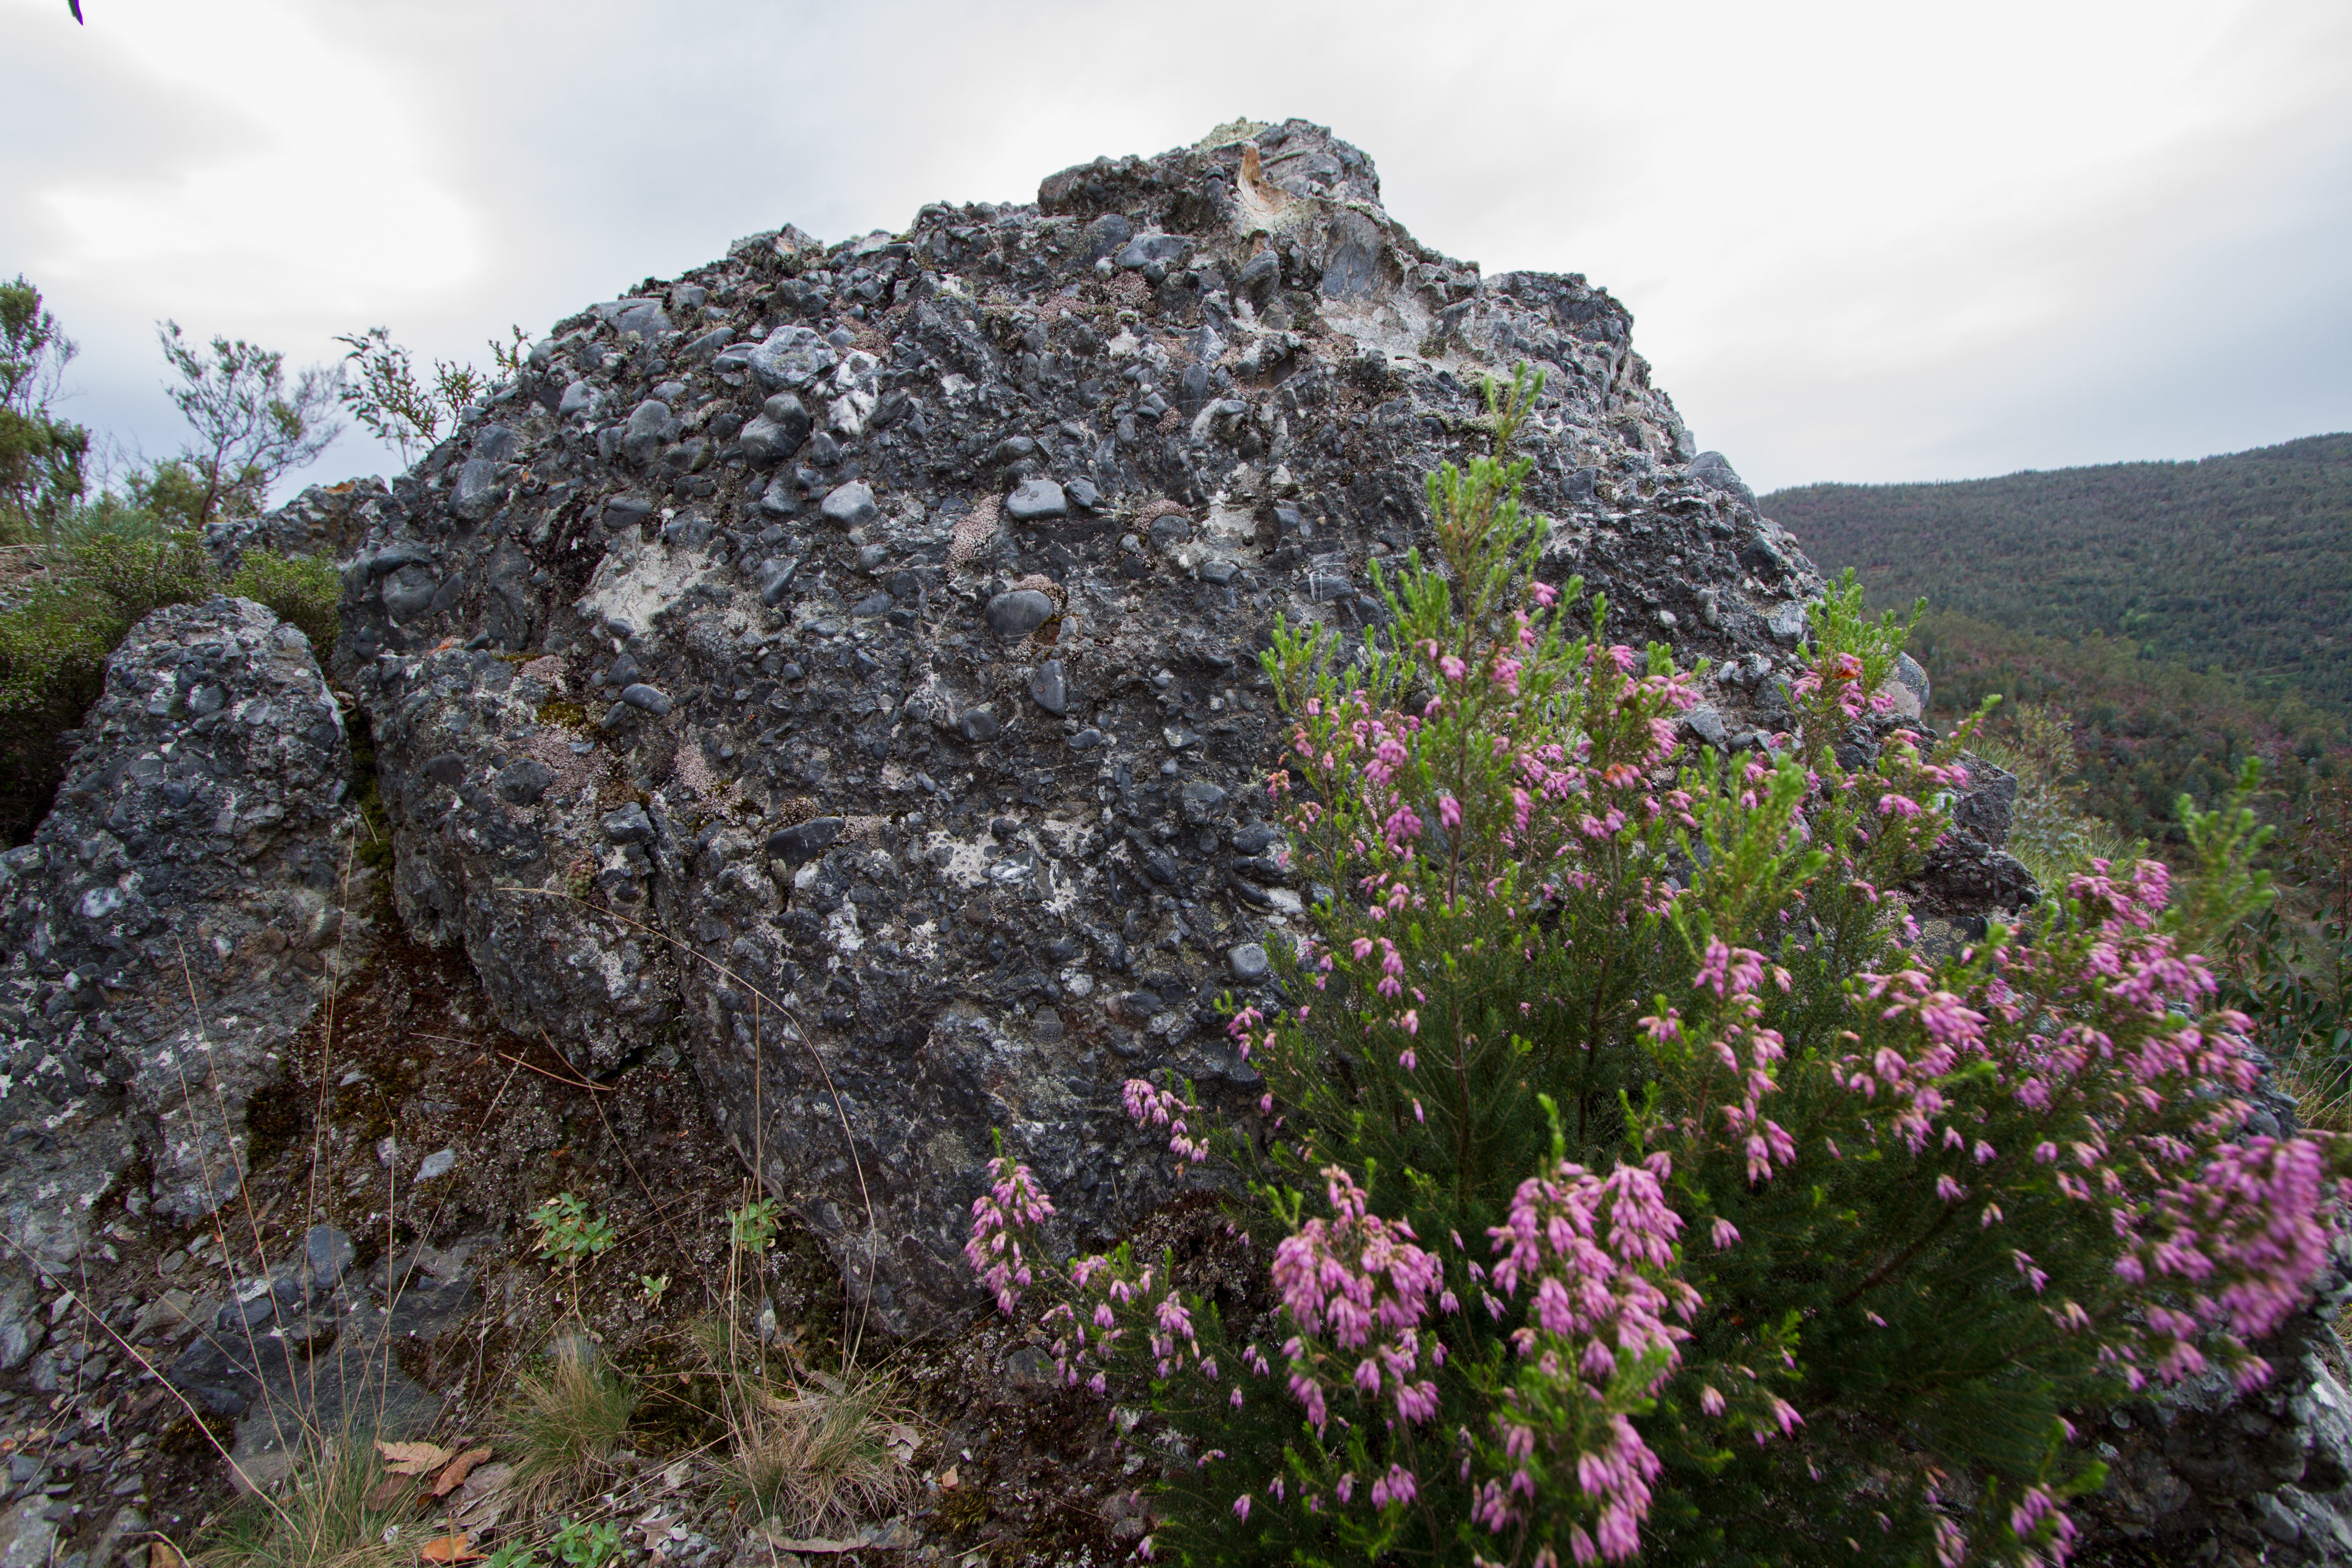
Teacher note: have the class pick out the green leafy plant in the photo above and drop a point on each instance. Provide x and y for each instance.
(655, 1286)
(393, 402)
(1629, 1181)
(2050, 831)
(570, 1232)
(752, 1227)
(300, 590)
(580, 1544)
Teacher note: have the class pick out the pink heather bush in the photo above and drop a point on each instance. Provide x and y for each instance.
(1633, 1179)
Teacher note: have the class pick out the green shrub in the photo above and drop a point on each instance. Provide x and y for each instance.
(302, 590)
(1629, 1181)
(2048, 831)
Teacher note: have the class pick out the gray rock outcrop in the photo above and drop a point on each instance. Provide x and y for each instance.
(907, 778)
(325, 521)
(309, 1347)
(163, 931)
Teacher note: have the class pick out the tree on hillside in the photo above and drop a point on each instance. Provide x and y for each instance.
(251, 429)
(41, 455)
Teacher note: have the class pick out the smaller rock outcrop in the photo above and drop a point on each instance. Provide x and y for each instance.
(324, 521)
(306, 1347)
(165, 932)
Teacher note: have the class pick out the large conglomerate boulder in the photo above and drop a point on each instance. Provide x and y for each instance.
(840, 663)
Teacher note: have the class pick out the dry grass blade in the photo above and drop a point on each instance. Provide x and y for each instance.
(2322, 1091)
(823, 1458)
(568, 1421)
(333, 1516)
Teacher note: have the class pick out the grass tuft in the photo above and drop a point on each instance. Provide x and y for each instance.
(569, 1420)
(322, 1520)
(822, 1455)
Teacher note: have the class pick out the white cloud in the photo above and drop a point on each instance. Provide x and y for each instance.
(1859, 240)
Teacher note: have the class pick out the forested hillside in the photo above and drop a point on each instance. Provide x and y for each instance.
(2181, 616)
(2240, 564)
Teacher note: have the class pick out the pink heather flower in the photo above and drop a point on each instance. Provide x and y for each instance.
(1950, 1191)
(1013, 1203)
(1710, 1401)
(1725, 1234)
(1453, 667)
(1397, 1486)
(1545, 594)
(1411, 1023)
(1449, 811)
(1242, 1507)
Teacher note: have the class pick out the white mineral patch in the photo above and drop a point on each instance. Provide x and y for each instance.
(637, 580)
(967, 864)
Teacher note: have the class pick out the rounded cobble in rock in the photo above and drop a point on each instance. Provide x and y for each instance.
(629, 824)
(1035, 499)
(1707, 725)
(651, 698)
(978, 725)
(1019, 612)
(1248, 963)
(1050, 689)
(804, 841)
(849, 505)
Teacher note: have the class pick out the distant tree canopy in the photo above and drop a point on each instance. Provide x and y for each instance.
(2183, 616)
(2240, 564)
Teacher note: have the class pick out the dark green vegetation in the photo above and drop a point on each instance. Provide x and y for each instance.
(2240, 564)
(41, 455)
(2187, 616)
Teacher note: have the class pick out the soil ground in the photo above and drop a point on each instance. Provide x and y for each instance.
(407, 1061)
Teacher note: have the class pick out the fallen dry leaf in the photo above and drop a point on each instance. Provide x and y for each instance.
(412, 1459)
(454, 1472)
(482, 1500)
(164, 1554)
(383, 1495)
(949, 1480)
(902, 1440)
(892, 1536)
(449, 1549)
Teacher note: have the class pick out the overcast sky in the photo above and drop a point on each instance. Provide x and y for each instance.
(1865, 241)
